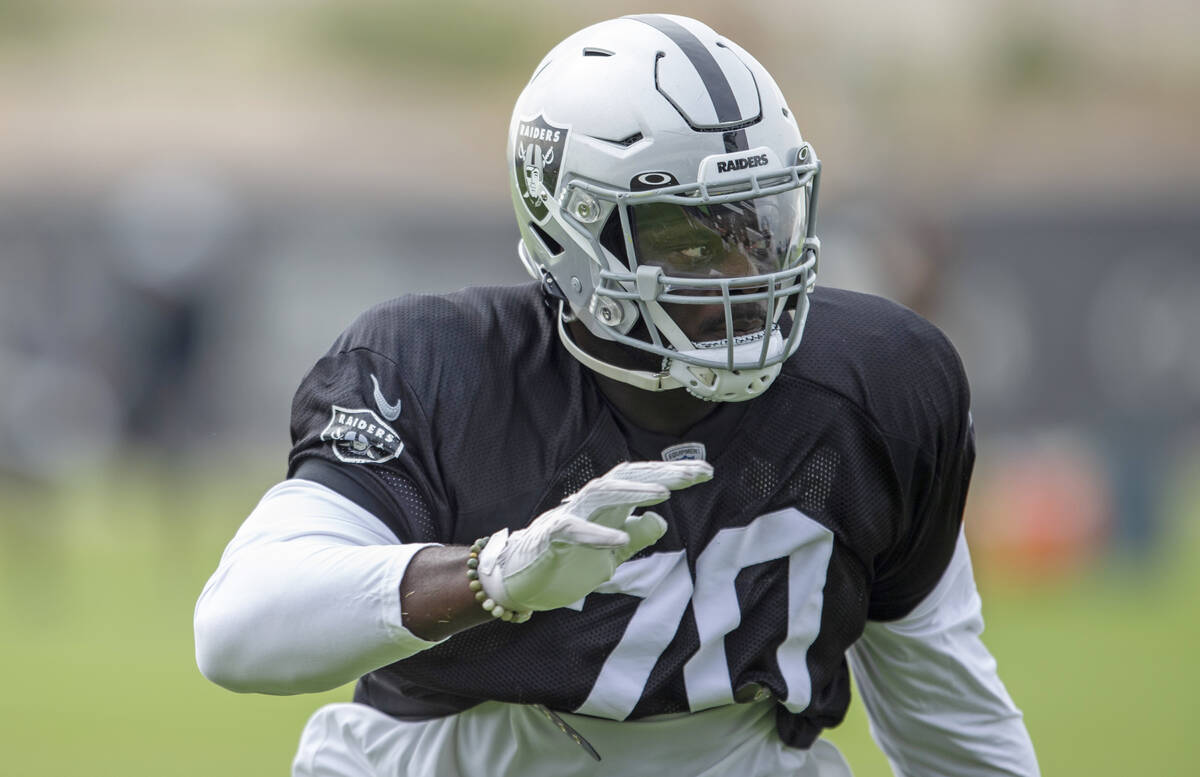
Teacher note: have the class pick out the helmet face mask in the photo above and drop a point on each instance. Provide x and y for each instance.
(707, 241)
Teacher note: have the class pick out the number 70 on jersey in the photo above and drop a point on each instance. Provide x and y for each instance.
(664, 583)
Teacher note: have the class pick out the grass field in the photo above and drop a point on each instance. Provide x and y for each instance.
(97, 587)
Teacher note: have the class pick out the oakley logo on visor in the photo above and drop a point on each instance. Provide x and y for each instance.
(652, 180)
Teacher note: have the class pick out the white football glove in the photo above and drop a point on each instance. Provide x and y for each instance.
(565, 553)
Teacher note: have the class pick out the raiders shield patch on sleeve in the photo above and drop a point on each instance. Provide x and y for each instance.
(360, 436)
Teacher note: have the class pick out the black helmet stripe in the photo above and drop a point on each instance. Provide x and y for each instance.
(719, 90)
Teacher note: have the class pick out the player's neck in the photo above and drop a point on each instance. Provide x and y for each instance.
(665, 412)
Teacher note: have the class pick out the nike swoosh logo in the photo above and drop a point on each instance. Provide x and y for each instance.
(386, 409)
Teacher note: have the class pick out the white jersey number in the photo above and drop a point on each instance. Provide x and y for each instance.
(665, 586)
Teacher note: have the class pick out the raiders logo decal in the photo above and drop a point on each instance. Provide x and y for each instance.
(361, 437)
(538, 158)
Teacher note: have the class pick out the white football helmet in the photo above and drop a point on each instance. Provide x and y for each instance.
(659, 177)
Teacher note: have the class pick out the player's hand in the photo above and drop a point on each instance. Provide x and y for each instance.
(565, 553)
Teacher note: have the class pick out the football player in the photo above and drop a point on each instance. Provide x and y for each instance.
(464, 528)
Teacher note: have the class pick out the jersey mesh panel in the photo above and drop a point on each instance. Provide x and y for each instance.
(604, 449)
(576, 475)
(412, 504)
(813, 482)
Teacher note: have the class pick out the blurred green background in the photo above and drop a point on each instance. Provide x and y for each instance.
(196, 197)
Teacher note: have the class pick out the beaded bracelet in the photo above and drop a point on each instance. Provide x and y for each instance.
(493, 607)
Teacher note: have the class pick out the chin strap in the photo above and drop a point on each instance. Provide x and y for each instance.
(715, 384)
(648, 381)
(711, 384)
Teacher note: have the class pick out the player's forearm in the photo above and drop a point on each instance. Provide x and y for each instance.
(301, 617)
(434, 596)
(306, 597)
(955, 722)
(932, 692)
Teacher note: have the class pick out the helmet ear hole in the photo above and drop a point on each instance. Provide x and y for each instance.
(612, 238)
(551, 246)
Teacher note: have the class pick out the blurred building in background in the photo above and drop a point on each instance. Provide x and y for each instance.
(196, 197)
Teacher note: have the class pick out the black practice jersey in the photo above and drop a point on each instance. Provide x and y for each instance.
(837, 498)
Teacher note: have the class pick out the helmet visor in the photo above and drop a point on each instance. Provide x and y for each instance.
(736, 239)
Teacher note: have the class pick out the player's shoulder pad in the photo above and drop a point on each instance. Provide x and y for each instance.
(454, 326)
(896, 365)
(445, 346)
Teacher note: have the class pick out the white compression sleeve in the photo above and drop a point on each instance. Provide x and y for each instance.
(306, 596)
(934, 699)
